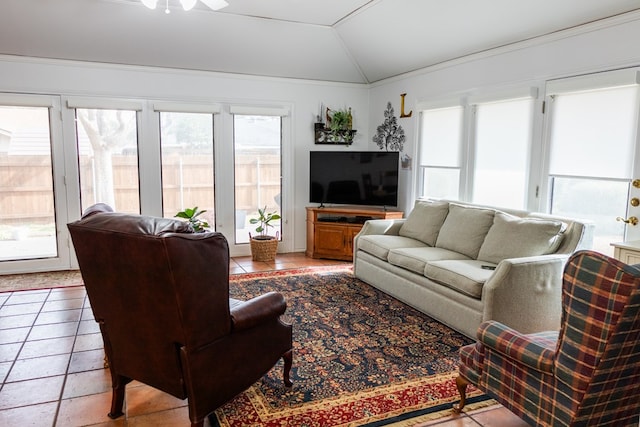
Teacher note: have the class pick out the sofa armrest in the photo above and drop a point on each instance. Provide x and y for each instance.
(382, 226)
(526, 293)
(257, 310)
(530, 350)
(377, 226)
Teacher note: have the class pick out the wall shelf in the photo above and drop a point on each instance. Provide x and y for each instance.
(324, 135)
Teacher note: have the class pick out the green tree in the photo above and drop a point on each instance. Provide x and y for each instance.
(108, 132)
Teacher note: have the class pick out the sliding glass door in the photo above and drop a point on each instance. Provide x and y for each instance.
(138, 156)
(27, 224)
(186, 144)
(258, 170)
(32, 204)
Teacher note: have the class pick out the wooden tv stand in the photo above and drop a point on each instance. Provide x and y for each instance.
(330, 230)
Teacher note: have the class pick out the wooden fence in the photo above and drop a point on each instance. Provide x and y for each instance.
(26, 185)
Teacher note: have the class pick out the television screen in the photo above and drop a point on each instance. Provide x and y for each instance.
(354, 177)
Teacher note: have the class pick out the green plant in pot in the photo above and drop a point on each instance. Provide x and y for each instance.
(339, 120)
(264, 246)
(340, 125)
(264, 221)
(192, 215)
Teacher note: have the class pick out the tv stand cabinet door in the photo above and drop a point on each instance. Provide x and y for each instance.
(334, 241)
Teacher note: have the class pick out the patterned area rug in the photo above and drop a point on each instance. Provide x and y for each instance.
(66, 278)
(361, 358)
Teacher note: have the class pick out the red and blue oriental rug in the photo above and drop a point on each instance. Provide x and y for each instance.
(361, 358)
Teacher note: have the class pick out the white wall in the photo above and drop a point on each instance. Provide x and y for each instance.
(602, 46)
(26, 75)
(598, 47)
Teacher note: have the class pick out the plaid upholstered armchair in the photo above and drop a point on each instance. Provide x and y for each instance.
(588, 373)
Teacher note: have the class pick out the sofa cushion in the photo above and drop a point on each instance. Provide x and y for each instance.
(415, 259)
(379, 245)
(465, 276)
(514, 237)
(464, 229)
(424, 221)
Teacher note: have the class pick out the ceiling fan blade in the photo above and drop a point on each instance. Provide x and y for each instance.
(215, 4)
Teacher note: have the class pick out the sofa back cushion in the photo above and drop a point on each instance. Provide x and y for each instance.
(514, 237)
(464, 229)
(424, 221)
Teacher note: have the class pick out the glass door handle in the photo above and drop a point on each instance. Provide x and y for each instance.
(631, 220)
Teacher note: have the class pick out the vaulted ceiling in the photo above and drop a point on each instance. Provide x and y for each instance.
(356, 41)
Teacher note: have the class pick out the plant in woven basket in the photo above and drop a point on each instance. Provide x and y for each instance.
(199, 225)
(264, 246)
(264, 220)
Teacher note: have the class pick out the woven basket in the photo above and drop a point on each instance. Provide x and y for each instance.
(263, 250)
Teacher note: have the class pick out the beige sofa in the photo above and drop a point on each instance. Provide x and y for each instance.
(463, 264)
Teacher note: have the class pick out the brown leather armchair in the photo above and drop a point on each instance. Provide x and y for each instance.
(161, 296)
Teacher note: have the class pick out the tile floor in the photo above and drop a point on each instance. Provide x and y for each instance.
(51, 365)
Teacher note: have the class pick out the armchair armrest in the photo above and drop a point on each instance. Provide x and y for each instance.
(536, 351)
(257, 310)
(526, 293)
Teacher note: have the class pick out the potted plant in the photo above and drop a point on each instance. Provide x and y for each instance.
(338, 129)
(199, 225)
(264, 246)
(339, 120)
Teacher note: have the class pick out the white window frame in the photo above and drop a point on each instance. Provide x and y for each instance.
(147, 193)
(153, 129)
(286, 113)
(567, 85)
(63, 196)
(468, 146)
(576, 84)
(531, 94)
(420, 167)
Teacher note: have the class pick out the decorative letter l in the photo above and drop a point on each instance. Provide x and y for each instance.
(402, 114)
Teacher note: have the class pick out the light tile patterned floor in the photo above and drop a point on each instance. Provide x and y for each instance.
(51, 365)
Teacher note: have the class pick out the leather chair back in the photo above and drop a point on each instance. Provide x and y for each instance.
(159, 276)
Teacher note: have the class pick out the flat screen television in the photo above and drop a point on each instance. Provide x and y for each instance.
(354, 178)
